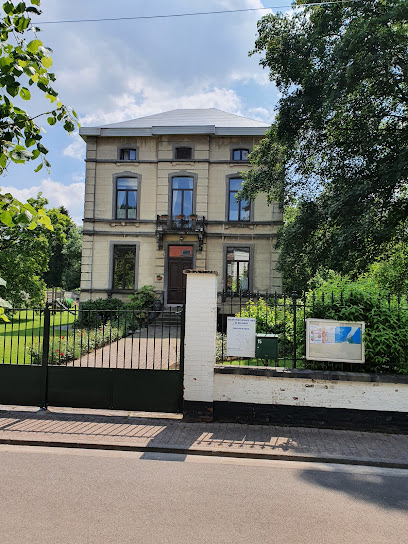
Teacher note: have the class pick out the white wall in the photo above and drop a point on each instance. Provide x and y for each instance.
(307, 392)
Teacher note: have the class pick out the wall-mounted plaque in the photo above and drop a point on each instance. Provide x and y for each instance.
(241, 337)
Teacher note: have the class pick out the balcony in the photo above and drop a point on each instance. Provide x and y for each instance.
(180, 225)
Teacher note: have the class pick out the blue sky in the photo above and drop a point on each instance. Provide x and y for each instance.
(112, 71)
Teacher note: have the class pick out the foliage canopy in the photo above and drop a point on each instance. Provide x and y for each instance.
(337, 147)
(25, 62)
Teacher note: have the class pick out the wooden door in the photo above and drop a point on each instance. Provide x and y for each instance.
(180, 258)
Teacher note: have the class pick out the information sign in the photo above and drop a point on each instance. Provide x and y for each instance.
(241, 337)
(337, 341)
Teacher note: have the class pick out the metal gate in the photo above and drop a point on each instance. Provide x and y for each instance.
(115, 359)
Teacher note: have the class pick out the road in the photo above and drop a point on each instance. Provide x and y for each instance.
(56, 495)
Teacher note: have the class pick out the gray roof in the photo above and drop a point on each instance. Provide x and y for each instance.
(183, 121)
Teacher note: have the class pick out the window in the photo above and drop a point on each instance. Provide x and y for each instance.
(182, 189)
(240, 154)
(237, 275)
(126, 198)
(183, 153)
(238, 210)
(124, 267)
(127, 154)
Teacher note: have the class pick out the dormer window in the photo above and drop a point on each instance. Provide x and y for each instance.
(240, 154)
(183, 153)
(128, 154)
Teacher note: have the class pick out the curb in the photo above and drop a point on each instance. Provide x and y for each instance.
(381, 463)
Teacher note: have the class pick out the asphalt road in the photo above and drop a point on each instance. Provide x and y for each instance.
(61, 496)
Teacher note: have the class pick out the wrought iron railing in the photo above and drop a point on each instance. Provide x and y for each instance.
(180, 224)
(149, 339)
(385, 316)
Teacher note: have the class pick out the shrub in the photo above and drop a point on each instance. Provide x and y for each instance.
(144, 306)
(76, 343)
(385, 317)
(273, 316)
(143, 298)
(99, 311)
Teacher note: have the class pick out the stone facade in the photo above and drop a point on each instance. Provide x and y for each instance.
(211, 166)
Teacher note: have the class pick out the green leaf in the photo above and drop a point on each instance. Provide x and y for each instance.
(34, 45)
(50, 97)
(6, 218)
(30, 141)
(46, 62)
(8, 7)
(12, 90)
(39, 167)
(25, 93)
(30, 9)
(51, 120)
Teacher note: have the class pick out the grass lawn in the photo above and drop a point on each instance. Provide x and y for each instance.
(281, 363)
(26, 327)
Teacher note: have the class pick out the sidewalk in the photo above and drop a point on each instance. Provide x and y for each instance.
(169, 433)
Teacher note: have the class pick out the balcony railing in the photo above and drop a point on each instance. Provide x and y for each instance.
(180, 224)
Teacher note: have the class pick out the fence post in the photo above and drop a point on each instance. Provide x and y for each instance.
(294, 306)
(45, 354)
(200, 345)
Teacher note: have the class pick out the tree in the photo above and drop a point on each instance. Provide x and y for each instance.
(72, 251)
(24, 255)
(24, 62)
(62, 224)
(338, 145)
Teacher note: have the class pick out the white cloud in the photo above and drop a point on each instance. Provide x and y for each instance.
(76, 150)
(70, 196)
(261, 114)
(155, 100)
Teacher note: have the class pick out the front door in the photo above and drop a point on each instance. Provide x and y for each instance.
(180, 258)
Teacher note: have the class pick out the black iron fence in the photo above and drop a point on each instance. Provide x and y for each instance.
(93, 338)
(284, 316)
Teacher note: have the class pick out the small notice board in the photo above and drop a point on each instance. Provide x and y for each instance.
(337, 341)
(240, 337)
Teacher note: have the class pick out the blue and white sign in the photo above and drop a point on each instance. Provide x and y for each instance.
(337, 341)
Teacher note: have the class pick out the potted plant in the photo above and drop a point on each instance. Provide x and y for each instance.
(193, 216)
(180, 216)
(163, 217)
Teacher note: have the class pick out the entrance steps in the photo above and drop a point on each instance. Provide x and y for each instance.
(169, 317)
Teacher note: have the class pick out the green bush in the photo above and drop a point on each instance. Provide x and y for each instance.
(142, 302)
(76, 343)
(97, 312)
(385, 317)
(143, 298)
(274, 316)
(342, 299)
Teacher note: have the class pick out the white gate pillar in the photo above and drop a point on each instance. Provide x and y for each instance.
(200, 344)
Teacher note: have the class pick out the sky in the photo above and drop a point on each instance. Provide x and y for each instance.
(112, 71)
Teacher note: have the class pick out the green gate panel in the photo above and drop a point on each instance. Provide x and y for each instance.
(22, 385)
(148, 390)
(116, 389)
(79, 387)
